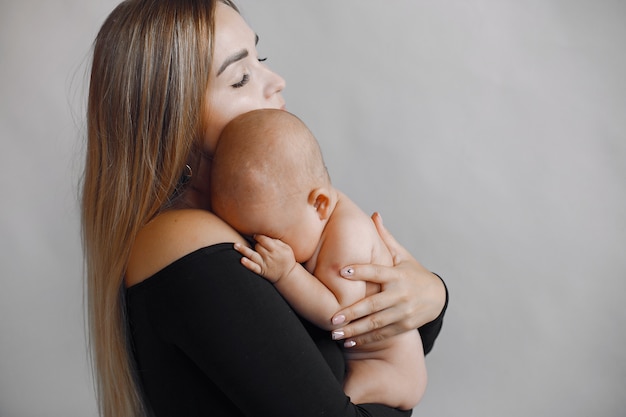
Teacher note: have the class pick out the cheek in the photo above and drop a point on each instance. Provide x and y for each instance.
(223, 109)
(215, 120)
(305, 244)
(299, 251)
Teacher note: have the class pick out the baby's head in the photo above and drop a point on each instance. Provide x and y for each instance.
(268, 177)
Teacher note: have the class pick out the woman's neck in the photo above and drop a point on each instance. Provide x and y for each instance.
(198, 192)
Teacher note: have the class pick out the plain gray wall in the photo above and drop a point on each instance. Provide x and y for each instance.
(490, 134)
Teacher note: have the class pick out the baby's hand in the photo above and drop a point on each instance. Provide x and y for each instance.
(271, 258)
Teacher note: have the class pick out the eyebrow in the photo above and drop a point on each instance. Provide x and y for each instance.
(232, 59)
(236, 57)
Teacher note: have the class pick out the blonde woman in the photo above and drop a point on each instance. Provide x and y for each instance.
(178, 327)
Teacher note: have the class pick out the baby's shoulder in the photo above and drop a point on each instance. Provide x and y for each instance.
(353, 235)
(172, 235)
(349, 227)
(350, 221)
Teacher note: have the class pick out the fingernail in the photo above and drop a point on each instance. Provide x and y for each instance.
(349, 344)
(338, 334)
(339, 319)
(347, 272)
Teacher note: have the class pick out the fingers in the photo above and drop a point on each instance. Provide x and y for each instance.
(252, 266)
(251, 259)
(410, 296)
(375, 336)
(367, 330)
(267, 245)
(264, 240)
(379, 274)
(364, 308)
(372, 319)
(263, 246)
(242, 249)
(247, 252)
(398, 252)
(273, 258)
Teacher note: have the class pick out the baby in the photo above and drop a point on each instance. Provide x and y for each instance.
(269, 181)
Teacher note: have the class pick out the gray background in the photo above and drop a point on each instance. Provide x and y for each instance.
(490, 134)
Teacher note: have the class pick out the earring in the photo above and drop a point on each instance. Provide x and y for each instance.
(187, 174)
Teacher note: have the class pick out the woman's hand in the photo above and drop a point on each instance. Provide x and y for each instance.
(410, 296)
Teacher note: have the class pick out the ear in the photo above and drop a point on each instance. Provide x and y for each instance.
(319, 198)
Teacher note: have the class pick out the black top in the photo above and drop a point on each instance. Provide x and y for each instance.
(211, 338)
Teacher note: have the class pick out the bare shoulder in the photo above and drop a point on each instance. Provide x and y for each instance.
(353, 222)
(172, 235)
(351, 236)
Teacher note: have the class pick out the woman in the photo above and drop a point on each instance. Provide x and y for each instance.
(177, 325)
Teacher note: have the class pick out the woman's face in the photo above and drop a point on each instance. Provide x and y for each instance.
(238, 82)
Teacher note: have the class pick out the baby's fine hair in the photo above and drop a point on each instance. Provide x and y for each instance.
(268, 151)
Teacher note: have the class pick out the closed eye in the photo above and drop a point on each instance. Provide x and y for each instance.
(244, 81)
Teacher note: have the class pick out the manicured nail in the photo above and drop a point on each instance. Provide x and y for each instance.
(338, 334)
(349, 344)
(347, 272)
(340, 319)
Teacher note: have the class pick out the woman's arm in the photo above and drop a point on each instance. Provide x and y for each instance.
(411, 297)
(245, 338)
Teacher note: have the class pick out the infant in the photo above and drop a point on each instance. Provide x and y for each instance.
(269, 182)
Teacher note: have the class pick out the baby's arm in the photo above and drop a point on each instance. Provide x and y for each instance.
(275, 261)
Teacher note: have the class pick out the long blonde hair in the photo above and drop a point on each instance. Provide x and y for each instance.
(150, 71)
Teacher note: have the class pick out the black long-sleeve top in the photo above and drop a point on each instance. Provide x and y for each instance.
(211, 338)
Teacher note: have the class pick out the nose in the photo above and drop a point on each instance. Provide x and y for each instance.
(274, 83)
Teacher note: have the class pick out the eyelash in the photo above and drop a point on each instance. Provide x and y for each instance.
(243, 81)
(246, 77)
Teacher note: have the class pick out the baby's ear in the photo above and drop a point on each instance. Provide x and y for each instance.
(319, 198)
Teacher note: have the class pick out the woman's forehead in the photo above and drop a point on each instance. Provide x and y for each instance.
(231, 30)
